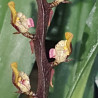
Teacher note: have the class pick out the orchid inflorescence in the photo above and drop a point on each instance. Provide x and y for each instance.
(61, 51)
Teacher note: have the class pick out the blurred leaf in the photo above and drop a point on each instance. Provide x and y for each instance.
(3, 9)
(14, 48)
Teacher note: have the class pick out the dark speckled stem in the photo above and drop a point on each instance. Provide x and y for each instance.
(40, 52)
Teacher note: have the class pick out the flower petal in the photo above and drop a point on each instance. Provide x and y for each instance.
(15, 71)
(13, 11)
(52, 53)
(24, 82)
(30, 22)
(68, 36)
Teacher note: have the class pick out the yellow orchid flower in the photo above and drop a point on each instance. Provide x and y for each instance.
(68, 36)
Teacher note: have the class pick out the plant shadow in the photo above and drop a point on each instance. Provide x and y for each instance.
(59, 21)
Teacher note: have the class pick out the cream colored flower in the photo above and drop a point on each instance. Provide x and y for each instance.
(62, 49)
(20, 79)
(19, 20)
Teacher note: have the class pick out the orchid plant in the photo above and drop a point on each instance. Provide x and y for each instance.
(61, 39)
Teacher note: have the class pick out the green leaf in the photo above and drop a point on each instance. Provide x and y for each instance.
(14, 48)
(3, 9)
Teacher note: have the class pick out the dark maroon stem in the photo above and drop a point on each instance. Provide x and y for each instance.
(40, 52)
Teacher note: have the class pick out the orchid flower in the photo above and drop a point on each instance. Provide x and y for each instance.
(20, 80)
(21, 23)
(19, 20)
(62, 49)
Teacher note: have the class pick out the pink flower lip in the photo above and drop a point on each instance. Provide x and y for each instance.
(52, 53)
(30, 22)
